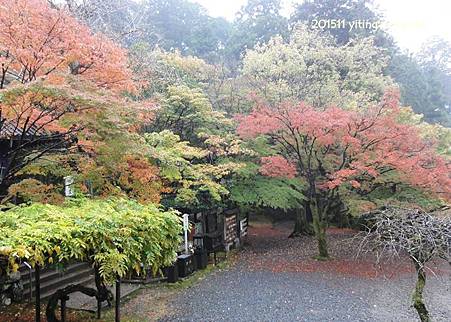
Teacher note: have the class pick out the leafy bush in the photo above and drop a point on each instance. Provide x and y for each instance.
(115, 235)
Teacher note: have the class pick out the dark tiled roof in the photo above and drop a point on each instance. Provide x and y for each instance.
(9, 130)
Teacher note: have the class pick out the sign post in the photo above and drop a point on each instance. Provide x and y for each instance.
(68, 186)
(185, 230)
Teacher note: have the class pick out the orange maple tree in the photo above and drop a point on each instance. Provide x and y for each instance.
(37, 40)
(60, 87)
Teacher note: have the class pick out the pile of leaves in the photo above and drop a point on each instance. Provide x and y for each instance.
(115, 235)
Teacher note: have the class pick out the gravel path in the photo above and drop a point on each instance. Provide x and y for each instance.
(276, 280)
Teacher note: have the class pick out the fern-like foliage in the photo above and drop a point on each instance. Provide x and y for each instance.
(116, 235)
(253, 189)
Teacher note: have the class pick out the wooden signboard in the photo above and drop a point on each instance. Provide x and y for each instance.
(230, 229)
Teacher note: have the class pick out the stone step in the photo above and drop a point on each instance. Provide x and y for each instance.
(53, 279)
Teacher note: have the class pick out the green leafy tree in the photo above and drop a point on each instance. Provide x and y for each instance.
(194, 178)
(348, 10)
(435, 61)
(184, 25)
(256, 22)
(311, 68)
(188, 112)
(157, 70)
(423, 86)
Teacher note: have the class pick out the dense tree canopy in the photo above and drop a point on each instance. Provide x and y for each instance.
(36, 40)
(186, 26)
(338, 10)
(311, 68)
(256, 23)
(332, 147)
(425, 81)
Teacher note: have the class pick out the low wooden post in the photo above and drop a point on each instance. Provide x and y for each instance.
(37, 293)
(99, 309)
(63, 308)
(118, 301)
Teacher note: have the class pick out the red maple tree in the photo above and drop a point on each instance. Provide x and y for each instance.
(332, 147)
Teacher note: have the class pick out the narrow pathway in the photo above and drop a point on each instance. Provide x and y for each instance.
(275, 279)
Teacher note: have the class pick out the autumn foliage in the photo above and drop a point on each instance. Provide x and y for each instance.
(37, 40)
(61, 91)
(331, 148)
(335, 146)
(277, 166)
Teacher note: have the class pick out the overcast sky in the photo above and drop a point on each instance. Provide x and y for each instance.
(410, 21)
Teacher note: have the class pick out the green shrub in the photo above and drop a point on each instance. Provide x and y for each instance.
(115, 235)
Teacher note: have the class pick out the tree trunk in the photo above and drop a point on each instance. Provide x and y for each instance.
(2, 79)
(63, 294)
(319, 226)
(301, 226)
(417, 296)
(342, 216)
(308, 212)
(297, 231)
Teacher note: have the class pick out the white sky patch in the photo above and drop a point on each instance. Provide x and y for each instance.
(411, 22)
(228, 8)
(221, 8)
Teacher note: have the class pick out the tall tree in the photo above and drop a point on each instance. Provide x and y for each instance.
(347, 10)
(331, 147)
(309, 67)
(425, 80)
(256, 22)
(424, 85)
(435, 61)
(423, 88)
(184, 25)
(61, 106)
